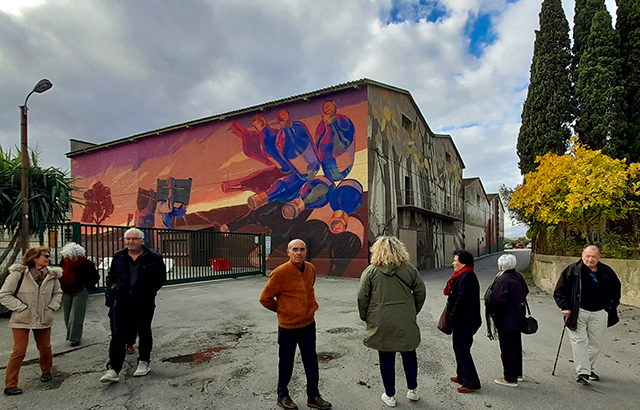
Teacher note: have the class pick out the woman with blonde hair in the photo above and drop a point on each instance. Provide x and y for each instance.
(32, 292)
(79, 276)
(390, 297)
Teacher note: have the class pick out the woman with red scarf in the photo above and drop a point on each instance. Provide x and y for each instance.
(463, 307)
(79, 276)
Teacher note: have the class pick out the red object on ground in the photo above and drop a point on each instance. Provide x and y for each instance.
(220, 264)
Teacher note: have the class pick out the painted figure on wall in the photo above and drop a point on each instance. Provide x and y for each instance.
(287, 205)
(170, 201)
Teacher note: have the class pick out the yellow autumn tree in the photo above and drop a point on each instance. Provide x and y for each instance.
(582, 190)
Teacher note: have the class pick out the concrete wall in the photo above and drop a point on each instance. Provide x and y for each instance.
(547, 270)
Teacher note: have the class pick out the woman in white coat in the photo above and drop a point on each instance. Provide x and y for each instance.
(32, 292)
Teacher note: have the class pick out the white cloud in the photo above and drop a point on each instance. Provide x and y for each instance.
(121, 67)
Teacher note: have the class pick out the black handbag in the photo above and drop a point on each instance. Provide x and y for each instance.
(529, 324)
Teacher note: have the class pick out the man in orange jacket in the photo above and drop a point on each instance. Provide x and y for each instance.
(289, 292)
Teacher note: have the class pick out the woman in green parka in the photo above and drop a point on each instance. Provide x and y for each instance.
(390, 296)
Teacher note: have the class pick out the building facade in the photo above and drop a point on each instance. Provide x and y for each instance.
(336, 167)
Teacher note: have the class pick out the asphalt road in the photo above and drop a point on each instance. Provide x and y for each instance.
(224, 319)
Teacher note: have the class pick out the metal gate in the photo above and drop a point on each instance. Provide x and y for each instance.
(188, 255)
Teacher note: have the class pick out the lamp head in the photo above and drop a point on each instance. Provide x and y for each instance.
(42, 86)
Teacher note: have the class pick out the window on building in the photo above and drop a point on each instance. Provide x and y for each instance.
(407, 124)
(447, 156)
(478, 199)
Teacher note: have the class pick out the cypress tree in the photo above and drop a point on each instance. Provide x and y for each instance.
(628, 27)
(600, 90)
(582, 19)
(548, 108)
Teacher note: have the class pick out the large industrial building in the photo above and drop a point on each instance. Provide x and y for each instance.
(336, 167)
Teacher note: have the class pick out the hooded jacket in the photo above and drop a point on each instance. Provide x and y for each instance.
(32, 306)
(389, 299)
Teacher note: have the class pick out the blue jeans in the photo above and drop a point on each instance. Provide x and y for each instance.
(305, 338)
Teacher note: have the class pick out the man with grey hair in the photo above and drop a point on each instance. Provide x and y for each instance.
(289, 292)
(135, 276)
(588, 292)
(505, 305)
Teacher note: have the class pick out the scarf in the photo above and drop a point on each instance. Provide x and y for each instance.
(38, 274)
(70, 281)
(454, 277)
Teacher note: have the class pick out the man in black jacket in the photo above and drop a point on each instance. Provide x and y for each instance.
(135, 276)
(588, 292)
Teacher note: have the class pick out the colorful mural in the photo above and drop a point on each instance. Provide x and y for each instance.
(263, 171)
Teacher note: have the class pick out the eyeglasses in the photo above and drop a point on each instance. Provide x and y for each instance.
(132, 239)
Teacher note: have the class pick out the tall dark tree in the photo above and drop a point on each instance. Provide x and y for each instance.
(548, 109)
(628, 27)
(582, 19)
(602, 123)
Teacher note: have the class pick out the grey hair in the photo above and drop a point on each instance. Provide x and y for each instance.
(135, 230)
(507, 261)
(71, 250)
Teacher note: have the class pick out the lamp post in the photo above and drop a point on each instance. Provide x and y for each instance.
(42, 86)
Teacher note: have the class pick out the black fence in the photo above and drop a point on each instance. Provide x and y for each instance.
(188, 255)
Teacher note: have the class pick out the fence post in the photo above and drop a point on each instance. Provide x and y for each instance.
(41, 232)
(76, 232)
(263, 262)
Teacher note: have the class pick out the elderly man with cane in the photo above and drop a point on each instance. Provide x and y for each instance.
(588, 292)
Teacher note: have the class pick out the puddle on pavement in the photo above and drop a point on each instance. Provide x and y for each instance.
(202, 356)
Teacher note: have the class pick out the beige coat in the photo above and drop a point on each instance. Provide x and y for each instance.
(33, 306)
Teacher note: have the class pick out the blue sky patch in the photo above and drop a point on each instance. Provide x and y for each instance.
(480, 31)
(403, 10)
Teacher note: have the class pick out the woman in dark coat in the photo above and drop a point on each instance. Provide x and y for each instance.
(505, 304)
(463, 307)
(390, 296)
(79, 276)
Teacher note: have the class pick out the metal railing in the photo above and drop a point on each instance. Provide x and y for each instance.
(188, 255)
(415, 198)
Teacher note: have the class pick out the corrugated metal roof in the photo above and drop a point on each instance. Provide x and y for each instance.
(224, 116)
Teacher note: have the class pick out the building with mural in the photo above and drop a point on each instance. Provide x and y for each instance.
(336, 167)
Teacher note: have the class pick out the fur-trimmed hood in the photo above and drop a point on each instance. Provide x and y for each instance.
(54, 271)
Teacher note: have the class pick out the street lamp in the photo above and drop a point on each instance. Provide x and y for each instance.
(42, 86)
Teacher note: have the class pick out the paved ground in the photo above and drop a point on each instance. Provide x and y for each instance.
(226, 317)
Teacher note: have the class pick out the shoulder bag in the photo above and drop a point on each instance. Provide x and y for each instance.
(529, 324)
(444, 324)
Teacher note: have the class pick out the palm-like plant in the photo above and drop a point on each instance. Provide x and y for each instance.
(50, 198)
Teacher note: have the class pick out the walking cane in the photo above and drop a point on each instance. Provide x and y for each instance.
(553, 373)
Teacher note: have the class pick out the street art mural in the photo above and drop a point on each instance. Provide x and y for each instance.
(294, 170)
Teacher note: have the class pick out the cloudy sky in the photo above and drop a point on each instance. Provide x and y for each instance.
(122, 67)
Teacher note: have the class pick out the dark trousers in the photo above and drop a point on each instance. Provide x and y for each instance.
(511, 354)
(387, 370)
(465, 369)
(305, 338)
(125, 321)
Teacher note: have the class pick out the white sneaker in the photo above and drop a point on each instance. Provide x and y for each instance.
(412, 395)
(520, 378)
(142, 370)
(110, 377)
(503, 382)
(389, 401)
